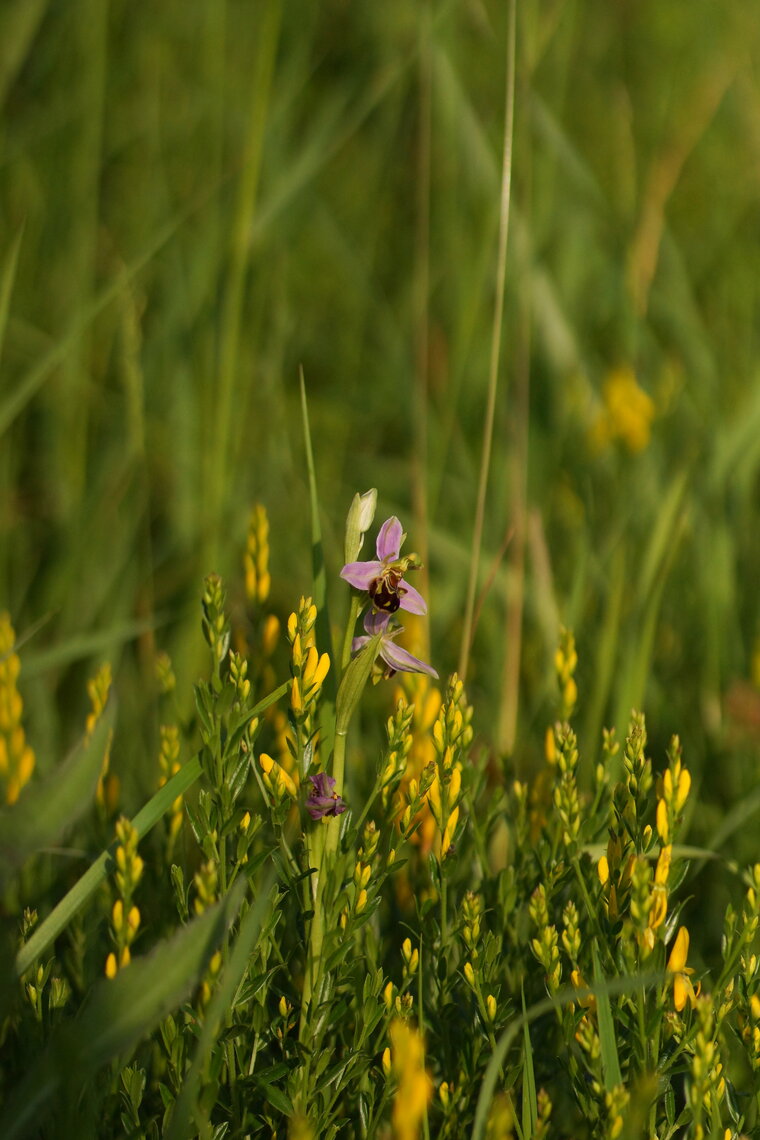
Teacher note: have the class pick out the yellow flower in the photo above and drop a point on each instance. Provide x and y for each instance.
(683, 990)
(415, 1087)
(627, 412)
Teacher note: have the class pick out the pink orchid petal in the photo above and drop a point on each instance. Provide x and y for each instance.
(375, 621)
(402, 661)
(361, 575)
(358, 643)
(411, 600)
(389, 539)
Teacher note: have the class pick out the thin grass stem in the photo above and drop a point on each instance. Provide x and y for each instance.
(498, 320)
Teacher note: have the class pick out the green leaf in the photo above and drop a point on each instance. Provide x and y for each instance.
(276, 1097)
(45, 810)
(119, 1013)
(529, 1101)
(352, 685)
(607, 1039)
(7, 278)
(324, 637)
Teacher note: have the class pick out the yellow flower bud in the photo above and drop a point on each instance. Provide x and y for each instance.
(309, 667)
(684, 785)
(455, 786)
(663, 829)
(448, 835)
(386, 1061)
(491, 1008)
(117, 915)
(361, 901)
(438, 735)
(603, 870)
(680, 951)
(469, 973)
(662, 870)
(111, 967)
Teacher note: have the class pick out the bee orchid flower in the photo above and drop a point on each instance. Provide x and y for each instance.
(397, 660)
(383, 578)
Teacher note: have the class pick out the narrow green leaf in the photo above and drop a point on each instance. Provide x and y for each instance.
(324, 635)
(352, 685)
(276, 1097)
(45, 810)
(84, 645)
(529, 1100)
(7, 277)
(19, 23)
(659, 549)
(607, 1039)
(119, 1013)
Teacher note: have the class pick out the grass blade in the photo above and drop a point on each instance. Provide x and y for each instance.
(498, 316)
(45, 810)
(7, 277)
(324, 637)
(608, 1042)
(529, 1101)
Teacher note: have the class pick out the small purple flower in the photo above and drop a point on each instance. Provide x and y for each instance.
(398, 660)
(383, 578)
(323, 800)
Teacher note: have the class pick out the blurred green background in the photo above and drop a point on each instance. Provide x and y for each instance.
(197, 198)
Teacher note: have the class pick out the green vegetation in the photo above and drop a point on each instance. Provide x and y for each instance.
(511, 248)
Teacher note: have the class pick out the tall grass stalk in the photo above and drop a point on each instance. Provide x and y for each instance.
(496, 334)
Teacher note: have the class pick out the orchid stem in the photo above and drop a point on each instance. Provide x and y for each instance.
(316, 851)
(348, 637)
